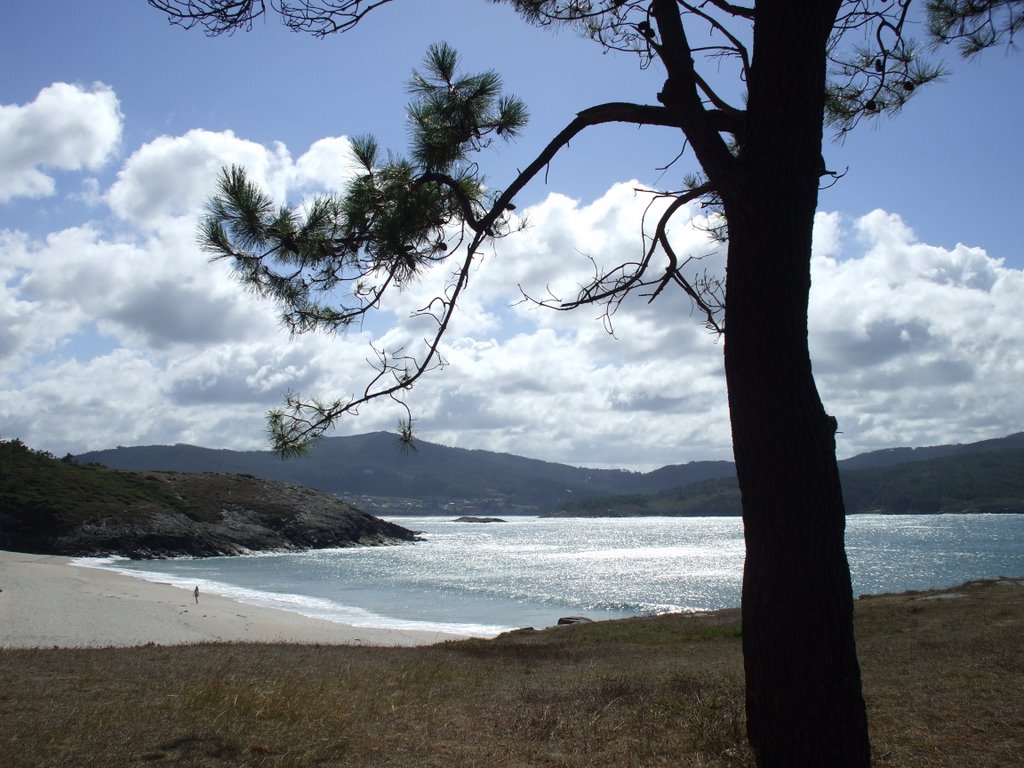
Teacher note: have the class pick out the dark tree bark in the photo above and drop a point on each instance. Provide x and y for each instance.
(804, 700)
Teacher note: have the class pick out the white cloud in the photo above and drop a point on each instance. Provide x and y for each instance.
(566, 240)
(141, 293)
(915, 344)
(122, 332)
(546, 395)
(327, 165)
(67, 127)
(29, 324)
(173, 176)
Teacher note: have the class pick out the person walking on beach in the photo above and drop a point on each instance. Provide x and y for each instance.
(195, 594)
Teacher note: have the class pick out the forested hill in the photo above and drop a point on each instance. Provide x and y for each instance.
(991, 481)
(57, 507)
(371, 470)
(892, 456)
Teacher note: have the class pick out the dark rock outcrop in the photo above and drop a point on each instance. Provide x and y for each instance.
(475, 519)
(208, 514)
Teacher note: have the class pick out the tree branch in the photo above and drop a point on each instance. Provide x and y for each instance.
(738, 47)
(613, 112)
(682, 98)
(614, 285)
(734, 10)
(317, 17)
(290, 431)
(974, 24)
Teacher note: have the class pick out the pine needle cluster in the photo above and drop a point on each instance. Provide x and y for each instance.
(329, 262)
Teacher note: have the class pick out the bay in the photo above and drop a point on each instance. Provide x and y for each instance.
(482, 579)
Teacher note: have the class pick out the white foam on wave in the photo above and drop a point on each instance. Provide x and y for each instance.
(304, 605)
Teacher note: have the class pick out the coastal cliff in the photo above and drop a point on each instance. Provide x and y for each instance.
(48, 506)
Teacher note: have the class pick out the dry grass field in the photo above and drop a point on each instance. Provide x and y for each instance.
(943, 678)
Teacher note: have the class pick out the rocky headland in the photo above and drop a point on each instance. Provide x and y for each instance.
(48, 506)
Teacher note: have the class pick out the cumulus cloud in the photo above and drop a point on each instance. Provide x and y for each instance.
(173, 176)
(142, 293)
(149, 286)
(67, 127)
(120, 331)
(327, 165)
(74, 400)
(914, 344)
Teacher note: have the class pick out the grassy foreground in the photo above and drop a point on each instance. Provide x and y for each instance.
(943, 678)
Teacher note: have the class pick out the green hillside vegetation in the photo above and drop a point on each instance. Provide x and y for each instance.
(963, 483)
(55, 494)
(41, 493)
(370, 471)
(979, 482)
(711, 498)
(52, 506)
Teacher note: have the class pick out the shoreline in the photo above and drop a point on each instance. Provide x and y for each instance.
(48, 602)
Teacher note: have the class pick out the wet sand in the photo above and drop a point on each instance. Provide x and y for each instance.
(46, 602)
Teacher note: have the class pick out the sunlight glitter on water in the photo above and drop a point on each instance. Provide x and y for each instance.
(529, 571)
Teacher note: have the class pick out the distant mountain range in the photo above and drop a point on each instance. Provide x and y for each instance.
(958, 482)
(370, 471)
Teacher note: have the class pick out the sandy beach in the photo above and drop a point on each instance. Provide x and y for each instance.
(46, 602)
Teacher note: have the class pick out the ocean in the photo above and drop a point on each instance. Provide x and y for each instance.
(483, 579)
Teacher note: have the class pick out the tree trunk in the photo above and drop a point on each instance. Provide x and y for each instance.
(804, 700)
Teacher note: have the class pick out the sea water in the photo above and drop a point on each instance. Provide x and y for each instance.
(482, 579)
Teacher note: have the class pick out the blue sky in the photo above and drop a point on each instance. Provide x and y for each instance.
(114, 329)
